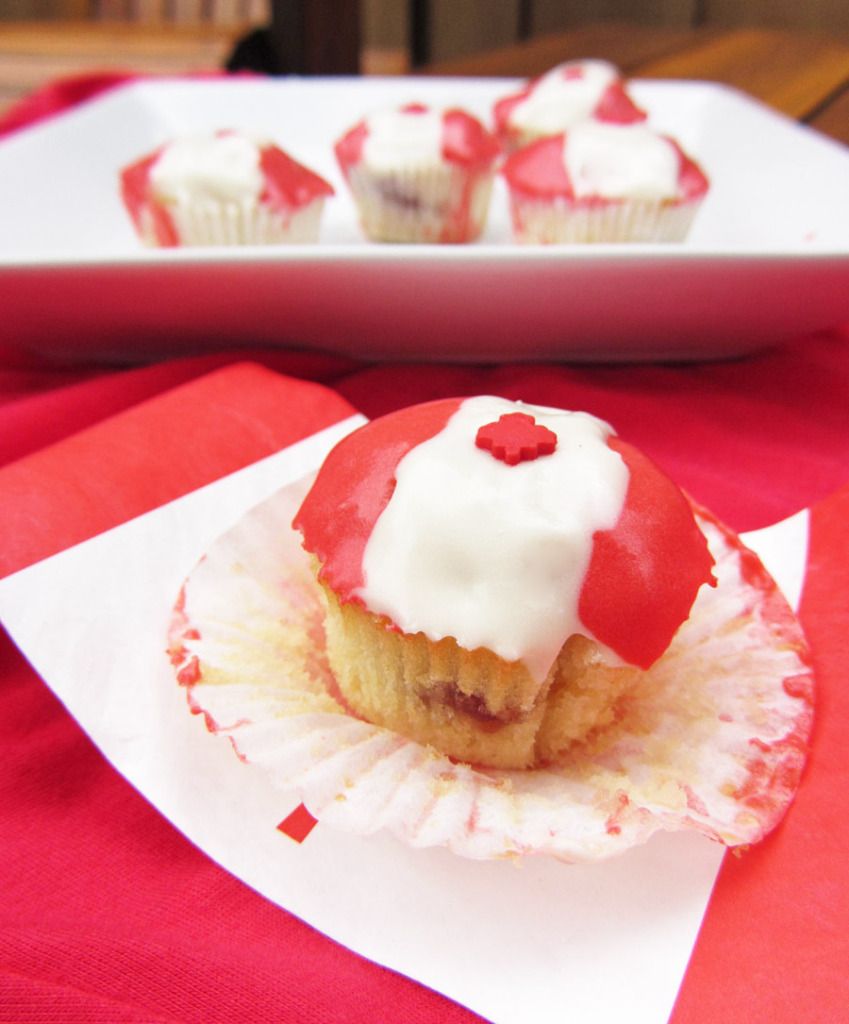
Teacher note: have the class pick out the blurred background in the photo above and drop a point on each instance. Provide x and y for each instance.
(44, 40)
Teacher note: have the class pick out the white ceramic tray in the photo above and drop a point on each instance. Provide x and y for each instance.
(767, 259)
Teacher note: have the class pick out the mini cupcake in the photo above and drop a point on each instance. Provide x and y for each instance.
(497, 575)
(571, 92)
(419, 174)
(223, 189)
(601, 182)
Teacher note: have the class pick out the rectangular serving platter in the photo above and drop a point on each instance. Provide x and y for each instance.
(767, 258)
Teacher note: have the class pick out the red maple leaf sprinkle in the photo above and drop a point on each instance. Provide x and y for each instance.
(515, 438)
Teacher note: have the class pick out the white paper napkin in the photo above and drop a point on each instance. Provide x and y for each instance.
(537, 942)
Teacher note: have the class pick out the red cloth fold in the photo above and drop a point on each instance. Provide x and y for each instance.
(54, 97)
(109, 914)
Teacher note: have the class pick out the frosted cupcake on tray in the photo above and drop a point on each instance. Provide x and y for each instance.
(223, 189)
(419, 174)
(501, 628)
(571, 92)
(600, 182)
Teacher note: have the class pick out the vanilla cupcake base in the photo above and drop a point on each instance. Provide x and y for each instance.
(443, 203)
(563, 221)
(246, 222)
(471, 705)
(712, 738)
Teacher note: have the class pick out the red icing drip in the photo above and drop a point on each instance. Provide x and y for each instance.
(349, 149)
(354, 486)
(288, 184)
(692, 182)
(515, 438)
(141, 204)
(617, 107)
(465, 140)
(644, 573)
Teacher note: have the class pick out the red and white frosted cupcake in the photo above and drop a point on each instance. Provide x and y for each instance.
(602, 182)
(575, 91)
(497, 575)
(223, 189)
(419, 174)
(522, 638)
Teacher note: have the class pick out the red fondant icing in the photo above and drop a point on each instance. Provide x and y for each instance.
(644, 573)
(538, 170)
(355, 485)
(617, 107)
(136, 193)
(288, 184)
(349, 149)
(516, 437)
(465, 140)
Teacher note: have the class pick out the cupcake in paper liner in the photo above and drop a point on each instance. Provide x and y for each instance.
(419, 174)
(223, 189)
(603, 183)
(617, 664)
(577, 90)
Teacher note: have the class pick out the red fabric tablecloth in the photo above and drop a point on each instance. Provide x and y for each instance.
(108, 914)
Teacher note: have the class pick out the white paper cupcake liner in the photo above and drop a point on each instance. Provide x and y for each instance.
(243, 222)
(439, 203)
(561, 221)
(713, 740)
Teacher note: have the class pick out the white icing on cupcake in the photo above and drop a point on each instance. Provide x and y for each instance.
(403, 137)
(618, 161)
(563, 96)
(223, 167)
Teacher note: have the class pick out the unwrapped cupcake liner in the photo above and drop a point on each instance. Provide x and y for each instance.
(237, 222)
(713, 738)
(562, 220)
(433, 203)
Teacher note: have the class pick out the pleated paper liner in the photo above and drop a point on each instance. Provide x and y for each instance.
(713, 738)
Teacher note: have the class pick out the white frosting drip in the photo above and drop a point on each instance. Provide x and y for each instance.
(619, 161)
(221, 167)
(398, 137)
(557, 102)
(490, 554)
